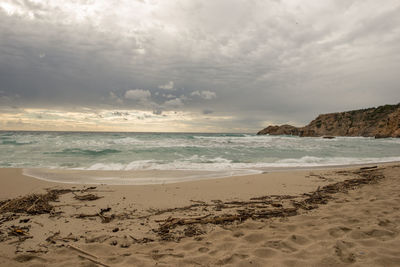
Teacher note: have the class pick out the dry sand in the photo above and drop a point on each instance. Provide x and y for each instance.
(257, 220)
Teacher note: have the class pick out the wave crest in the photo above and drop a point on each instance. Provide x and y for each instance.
(86, 152)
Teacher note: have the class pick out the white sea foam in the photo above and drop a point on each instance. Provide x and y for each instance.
(130, 178)
(125, 141)
(221, 164)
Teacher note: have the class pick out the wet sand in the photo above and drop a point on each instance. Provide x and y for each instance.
(254, 220)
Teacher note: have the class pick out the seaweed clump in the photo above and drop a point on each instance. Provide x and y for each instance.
(33, 203)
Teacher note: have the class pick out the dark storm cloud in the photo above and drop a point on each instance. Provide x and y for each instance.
(261, 62)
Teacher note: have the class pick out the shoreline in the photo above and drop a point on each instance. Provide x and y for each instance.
(244, 220)
(154, 177)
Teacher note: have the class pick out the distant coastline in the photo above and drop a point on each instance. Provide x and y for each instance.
(380, 122)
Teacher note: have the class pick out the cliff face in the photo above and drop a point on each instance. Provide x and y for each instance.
(383, 121)
(280, 130)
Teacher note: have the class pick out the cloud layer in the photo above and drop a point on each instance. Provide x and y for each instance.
(256, 62)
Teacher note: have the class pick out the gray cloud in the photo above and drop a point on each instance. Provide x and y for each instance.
(137, 94)
(263, 61)
(207, 111)
(204, 94)
(167, 86)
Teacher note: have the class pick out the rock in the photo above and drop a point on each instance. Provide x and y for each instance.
(280, 130)
(380, 122)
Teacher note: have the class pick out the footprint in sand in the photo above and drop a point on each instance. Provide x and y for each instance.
(280, 245)
(343, 251)
(238, 234)
(254, 237)
(380, 234)
(234, 258)
(299, 240)
(357, 234)
(338, 231)
(190, 246)
(27, 257)
(264, 252)
(203, 249)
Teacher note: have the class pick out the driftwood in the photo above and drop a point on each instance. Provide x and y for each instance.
(82, 251)
(92, 258)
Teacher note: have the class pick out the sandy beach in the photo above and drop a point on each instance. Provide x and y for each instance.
(329, 217)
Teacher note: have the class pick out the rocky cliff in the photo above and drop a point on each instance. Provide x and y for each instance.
(383, 121)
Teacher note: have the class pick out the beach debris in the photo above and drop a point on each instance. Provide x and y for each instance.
(20, 232)
(264, 207)
(192, 220)
(88, 189)
(368, 168)
(8, 216)
(33, 203)
(104, 218)
(142, 240)
(38, 223)
(193, 230)
(52, 238)
(98, 239)
(82, 251)
(88, 256)
(17, 231)
(171, 223)
(184, 208)
(24, 220)
(87, 197)
(56, 237)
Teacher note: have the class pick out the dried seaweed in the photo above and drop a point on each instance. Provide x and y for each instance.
(264, 207)
(218, 212)
(87, 197)
(33, 203)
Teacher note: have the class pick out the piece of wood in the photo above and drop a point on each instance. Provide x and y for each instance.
(5, 205)
(33, 205)
(82, 251)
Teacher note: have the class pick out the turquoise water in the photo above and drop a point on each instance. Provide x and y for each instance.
(184, 151)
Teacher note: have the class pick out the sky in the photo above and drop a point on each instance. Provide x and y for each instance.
(193, 65)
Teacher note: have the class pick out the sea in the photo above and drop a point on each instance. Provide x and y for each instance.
(179, 157)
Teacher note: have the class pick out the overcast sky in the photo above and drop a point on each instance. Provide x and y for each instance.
(193, 65)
